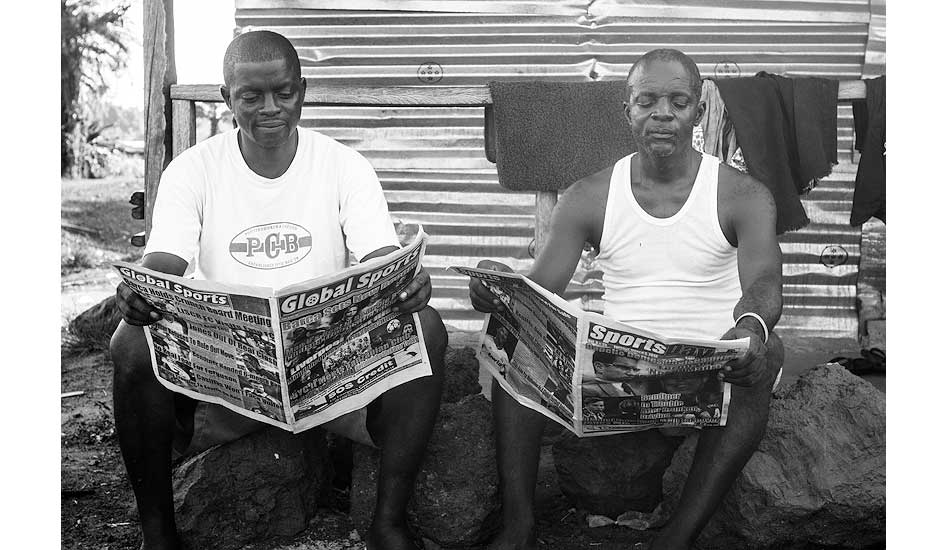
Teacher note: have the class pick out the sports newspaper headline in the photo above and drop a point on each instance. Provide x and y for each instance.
(294, 357)
(593, 375)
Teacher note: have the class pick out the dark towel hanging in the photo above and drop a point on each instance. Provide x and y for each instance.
(547, 135)
(870, 184)
(787, 129)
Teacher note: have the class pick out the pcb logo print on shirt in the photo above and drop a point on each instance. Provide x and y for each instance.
(271, 245)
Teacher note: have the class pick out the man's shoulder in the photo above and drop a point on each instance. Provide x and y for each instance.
(742, 196)
(592, 187)
(735, 182)
(210, 150)
(321, 144)
(739, 187)
(583, 204)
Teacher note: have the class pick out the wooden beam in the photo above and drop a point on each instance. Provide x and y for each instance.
(544, 203)
(411, 96)
(361, 96)
(159, 49)
(852, 89)
(183, 125)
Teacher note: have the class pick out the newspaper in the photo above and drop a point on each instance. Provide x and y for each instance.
(594, 375)
(295, 357)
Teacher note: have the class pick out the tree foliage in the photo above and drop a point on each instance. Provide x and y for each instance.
(93, 44)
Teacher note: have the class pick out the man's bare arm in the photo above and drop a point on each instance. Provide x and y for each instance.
(573, 223)
(760, 257)
(751, 213)
(379, 253)
(577, 219)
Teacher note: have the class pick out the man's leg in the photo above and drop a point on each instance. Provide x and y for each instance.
(518, 432)
(144, 421)
(400, 422)
(721, 453)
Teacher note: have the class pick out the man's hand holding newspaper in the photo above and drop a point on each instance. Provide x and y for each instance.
(597, 376)
(294, 357)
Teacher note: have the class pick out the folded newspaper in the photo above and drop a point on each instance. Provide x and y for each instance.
(294, 357)
(594, 375)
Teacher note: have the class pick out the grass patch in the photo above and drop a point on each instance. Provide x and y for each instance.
(101, 209)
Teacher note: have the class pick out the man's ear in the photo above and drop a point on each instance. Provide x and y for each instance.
(700, 111)
(226, 95)
(626, 112)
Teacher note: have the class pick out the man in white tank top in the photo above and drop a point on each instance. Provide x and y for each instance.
(325, 195)
(688, 248)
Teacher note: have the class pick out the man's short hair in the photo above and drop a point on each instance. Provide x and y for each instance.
(258, 46)
(669, 54)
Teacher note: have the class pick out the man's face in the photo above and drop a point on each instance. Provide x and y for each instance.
(682, 384)
(662, 109)
(501, 336)
(266, 99)
(595, 406)
(619, 370)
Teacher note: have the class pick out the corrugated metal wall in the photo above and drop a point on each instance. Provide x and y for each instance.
(431, 160)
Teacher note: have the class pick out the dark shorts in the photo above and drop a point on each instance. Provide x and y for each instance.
(200, 426)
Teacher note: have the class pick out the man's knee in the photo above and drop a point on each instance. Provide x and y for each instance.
(129, 351)
(435, 336)
(774, 358)
(775, 353)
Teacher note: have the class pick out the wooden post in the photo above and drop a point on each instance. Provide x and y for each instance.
(183, 125)
(544, 203)
(159, 48)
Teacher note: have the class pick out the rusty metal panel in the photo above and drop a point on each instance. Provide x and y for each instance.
(874, 57)
(464, 49)
(772, 10)
(431, 161)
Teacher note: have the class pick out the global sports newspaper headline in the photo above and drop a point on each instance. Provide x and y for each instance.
(294, 357)
(593, 375)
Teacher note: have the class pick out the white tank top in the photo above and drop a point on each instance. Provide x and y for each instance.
(677, 276)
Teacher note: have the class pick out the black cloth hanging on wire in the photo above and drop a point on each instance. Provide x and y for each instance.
(787, 129)
(870, 184)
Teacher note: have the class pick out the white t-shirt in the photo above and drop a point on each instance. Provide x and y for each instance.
(234, 226)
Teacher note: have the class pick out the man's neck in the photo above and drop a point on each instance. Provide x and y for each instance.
(669, 169)
(269, 163)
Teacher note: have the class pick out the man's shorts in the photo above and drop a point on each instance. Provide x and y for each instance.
(200, 426)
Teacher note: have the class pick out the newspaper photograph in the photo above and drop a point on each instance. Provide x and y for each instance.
(530, 346)
(593, 375)
(294, 357)
(343, 343)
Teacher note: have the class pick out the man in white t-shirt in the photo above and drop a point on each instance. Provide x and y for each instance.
(687, 247)
(266, 204)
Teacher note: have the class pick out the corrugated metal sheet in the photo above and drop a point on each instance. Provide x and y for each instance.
(431, 160)
(771, 10)
(874, 57)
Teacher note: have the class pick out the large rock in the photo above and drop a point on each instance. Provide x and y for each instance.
(614, 474)
(461, 374)
(267, 484)
(817, 478)
(93, 328)
(455, 500)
